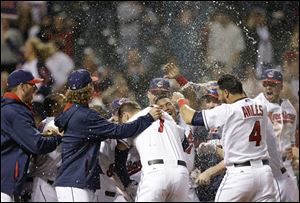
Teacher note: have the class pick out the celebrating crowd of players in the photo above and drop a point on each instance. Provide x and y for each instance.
(211, 142)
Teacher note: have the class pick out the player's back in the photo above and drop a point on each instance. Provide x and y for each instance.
(161, 140)
(244, 129)
(165, 176)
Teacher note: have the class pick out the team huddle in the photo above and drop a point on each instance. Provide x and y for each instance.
(212, 143)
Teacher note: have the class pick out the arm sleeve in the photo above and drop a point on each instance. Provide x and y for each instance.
(120, 163)
(198, 119)
(100, 127)
(215, 117)
(29, 138)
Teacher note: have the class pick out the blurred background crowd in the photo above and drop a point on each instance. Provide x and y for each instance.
(127, 43)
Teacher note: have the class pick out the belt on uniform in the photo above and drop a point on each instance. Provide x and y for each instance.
(248, 163)
(283, 170)
(160, 161)
(110, 194)
(50, 182)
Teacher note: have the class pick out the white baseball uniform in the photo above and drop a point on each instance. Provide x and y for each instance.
(44, 170)
(286, 186)
(164, 173)
(284, 118)
(108, 191)
(248, 176)
(190, 158)
(6, 197)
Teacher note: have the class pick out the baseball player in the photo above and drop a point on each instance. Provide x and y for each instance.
(283, 116)
(188, 142)
(158, 87)
(20, 138)
(112, 189)
(164, 173)
(44, 168)
(206, 160)
(108, 191)
(244, 121)
(84, 129)
(286, 186)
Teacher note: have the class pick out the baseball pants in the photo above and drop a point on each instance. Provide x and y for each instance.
(6, 198)
(73, 194)
(247, 184)
(163, 182)
(43, 191)
(287, 188)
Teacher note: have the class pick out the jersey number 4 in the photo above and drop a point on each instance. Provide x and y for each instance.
(255, 135)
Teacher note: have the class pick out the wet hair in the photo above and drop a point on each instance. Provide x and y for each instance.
(231, 84)
(208, 99)
(81, 96)
(161, 97)
(54, 104)
(129, 106)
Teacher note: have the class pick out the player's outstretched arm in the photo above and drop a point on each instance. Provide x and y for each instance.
(172, 72)
(189, 115)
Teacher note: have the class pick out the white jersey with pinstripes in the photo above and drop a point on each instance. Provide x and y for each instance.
(284, 120)
(152, 144)
(243, 124)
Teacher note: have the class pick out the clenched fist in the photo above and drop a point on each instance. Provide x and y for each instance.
(155, 112)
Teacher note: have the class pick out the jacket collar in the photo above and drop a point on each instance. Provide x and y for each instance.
(11, 95)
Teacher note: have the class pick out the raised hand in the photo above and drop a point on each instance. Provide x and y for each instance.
(171, 71)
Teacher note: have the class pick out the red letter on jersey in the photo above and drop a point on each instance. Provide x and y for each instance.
(255, 134)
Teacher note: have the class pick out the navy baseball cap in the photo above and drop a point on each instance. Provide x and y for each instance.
(21, 76)
(79, 79)
(116, 103)
(159, 85)
(272, 75)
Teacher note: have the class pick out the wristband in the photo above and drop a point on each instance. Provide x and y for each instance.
(181, 80)
(181, 102)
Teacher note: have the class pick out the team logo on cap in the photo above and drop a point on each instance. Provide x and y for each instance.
(160, 84)
(270, 74)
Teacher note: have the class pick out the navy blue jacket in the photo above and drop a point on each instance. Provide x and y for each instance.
(84, 129)
(19, 140)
